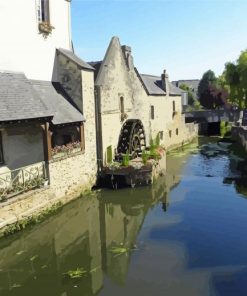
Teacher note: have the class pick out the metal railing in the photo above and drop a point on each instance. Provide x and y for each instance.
(23, 179)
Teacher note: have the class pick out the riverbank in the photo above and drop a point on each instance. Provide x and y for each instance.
(28, 208)
(239, 133)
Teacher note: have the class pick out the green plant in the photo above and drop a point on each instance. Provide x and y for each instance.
(126, 159)
(76, 274)
(152, 146)
(145, 156)
(109, 154)
(157, 140)
(225, 129)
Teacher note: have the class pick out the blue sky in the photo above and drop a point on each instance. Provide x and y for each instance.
(185, 37)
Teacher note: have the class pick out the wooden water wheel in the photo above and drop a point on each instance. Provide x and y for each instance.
(132, 138)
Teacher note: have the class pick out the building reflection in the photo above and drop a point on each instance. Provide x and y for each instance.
(82, 235)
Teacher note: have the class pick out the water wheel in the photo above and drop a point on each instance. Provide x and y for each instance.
(132, 138)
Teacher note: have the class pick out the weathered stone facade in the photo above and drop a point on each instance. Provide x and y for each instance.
(119, 84)
(72, 172)
(117, 79)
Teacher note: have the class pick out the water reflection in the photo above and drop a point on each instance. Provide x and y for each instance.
(178, 237)
(82, 235)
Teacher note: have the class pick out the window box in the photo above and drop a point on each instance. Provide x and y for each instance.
(61, 151)
(45, 28)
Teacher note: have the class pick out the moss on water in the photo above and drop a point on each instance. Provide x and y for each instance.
(188, 148)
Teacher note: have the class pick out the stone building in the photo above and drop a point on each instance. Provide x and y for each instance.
(166, 117)
(133, 108)
(47, 118)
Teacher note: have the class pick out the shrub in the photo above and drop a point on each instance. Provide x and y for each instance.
(145, 156)
(126, 159)
(109, 154)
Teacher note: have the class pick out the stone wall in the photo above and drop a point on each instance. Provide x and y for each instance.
(79, 169)
(70, 78)
(72, 172)
(179, 133)
(239, 133)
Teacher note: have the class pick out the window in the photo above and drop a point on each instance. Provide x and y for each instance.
(1, 149)
(173, 106)
(170, 133)
(161, 135)
(121, 105)
(43, 11)
(152, 112)
(177, 131)
(122, 113)
(65, 135)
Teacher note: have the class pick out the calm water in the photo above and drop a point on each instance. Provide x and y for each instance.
(186, 235)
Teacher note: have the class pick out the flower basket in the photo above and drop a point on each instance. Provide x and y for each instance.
(45, 28)
(63, 150)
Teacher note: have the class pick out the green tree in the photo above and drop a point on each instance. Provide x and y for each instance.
(209, 92)
(191, 98)
(234, 79)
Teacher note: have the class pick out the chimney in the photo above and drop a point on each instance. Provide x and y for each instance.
(128, 57)
(165, 82)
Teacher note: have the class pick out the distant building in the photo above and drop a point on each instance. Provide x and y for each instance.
(191, 83)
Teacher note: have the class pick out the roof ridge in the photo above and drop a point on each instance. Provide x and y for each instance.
(151, 75)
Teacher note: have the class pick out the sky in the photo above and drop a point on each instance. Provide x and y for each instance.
(185, 37)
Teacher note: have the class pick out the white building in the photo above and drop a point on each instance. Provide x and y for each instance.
(47, 94)
(24, 44)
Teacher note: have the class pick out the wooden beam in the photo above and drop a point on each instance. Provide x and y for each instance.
(82, 136)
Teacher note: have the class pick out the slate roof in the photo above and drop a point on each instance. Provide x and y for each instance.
(58, 101)
(18, 100)
(153, 85)
(192, 83)
(73, 57)
(96, 66)
(174, 91)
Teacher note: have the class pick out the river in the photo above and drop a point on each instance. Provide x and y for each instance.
(185, 235)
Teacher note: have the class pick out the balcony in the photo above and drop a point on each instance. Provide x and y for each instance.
(14, 182)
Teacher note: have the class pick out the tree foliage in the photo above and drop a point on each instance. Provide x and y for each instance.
(211, 94)
(191, 98)
(234, 79)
